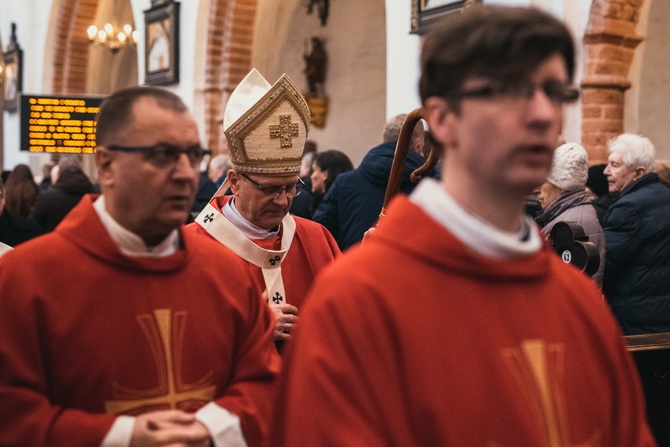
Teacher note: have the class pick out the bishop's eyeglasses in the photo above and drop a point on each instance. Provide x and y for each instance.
(273, 191)
(558, 92)
(163, 155)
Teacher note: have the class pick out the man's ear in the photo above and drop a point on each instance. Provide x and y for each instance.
(441, 119)
(103, 161)
(234, 181)
(640, 172)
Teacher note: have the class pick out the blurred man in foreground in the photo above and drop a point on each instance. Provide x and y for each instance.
(454, 324)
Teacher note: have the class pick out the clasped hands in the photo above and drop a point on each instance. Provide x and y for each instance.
(173, 428)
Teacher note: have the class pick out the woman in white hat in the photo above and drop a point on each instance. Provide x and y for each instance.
(563, 197)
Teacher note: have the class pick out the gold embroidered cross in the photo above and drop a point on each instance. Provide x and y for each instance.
(171, 391)
(284, 130)
(539, 370)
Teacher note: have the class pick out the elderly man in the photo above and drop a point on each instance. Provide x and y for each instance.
(454, 324)
(353, 203)
(637, 233)
(116, 329)
(266, 128)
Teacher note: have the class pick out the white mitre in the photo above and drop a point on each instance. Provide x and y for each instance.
(266, 126)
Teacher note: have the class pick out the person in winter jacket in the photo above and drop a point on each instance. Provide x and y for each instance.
(637, 232)
(53, 204)
(352, 204)
(563, 198)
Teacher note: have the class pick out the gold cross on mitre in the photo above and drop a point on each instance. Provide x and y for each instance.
(284, 130)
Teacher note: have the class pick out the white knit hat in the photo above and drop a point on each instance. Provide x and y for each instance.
(570, 168)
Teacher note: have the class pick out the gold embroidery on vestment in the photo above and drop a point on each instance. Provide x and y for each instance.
(171, 391)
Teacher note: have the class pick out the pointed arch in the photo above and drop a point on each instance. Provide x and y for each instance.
(70, 59)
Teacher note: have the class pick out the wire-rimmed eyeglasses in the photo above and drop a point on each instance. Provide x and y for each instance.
(291, 190)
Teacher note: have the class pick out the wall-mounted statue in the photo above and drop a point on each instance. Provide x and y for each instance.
(316, 64)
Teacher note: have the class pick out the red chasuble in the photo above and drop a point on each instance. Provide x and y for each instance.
(87, 333)
(415, 340)
(313, 248)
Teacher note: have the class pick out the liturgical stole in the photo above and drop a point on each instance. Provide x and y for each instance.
(269, 261)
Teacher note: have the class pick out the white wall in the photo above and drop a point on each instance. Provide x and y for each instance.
(647, 100)
(402, 61)
(32, 21)
(355, 41)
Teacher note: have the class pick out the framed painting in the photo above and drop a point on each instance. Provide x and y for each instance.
(161, 56)
(426, 12)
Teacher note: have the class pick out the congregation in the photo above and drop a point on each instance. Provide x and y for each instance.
(196, 306)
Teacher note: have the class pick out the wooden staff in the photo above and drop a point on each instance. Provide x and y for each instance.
(400, 157)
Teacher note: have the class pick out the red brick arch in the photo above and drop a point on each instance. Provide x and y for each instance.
(609, 42)
(229, 44)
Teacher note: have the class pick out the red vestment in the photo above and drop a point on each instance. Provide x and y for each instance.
(416, 340)
(86, 332)
(313, 247)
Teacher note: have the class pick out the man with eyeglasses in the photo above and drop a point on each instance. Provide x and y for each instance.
(266, 127)
(454, 324)
(116, 329)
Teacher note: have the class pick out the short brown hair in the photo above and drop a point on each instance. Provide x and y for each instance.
(491, 42)
(116, 111)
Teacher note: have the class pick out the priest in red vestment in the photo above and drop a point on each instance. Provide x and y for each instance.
(266, 127)
(454, 324)
(116, 329)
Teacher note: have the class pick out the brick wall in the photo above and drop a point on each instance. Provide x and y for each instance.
(228, 61)
(609, 42)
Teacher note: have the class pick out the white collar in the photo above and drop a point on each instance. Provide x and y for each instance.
(131, 244)
(473, 231)
(250, 230)
(4, 248)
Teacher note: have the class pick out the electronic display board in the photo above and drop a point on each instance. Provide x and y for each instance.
(62, 124)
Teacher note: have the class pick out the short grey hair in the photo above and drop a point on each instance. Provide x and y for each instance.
(392, 128)
(637, 151)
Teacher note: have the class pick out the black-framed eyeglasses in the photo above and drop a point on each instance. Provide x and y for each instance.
(292, 190)
(558, 92)
(163, 155)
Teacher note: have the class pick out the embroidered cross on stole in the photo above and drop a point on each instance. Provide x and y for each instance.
(269, 261)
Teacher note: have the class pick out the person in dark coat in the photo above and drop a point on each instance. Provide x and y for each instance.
(15, 229)
(206, 189)
(53, 204)
(598, 188)
(637, 234)
(352, 204)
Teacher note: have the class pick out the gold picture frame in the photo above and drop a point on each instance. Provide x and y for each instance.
(161, 56)
(425, 13)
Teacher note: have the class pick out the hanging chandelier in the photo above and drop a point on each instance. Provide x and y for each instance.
(112, 37)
